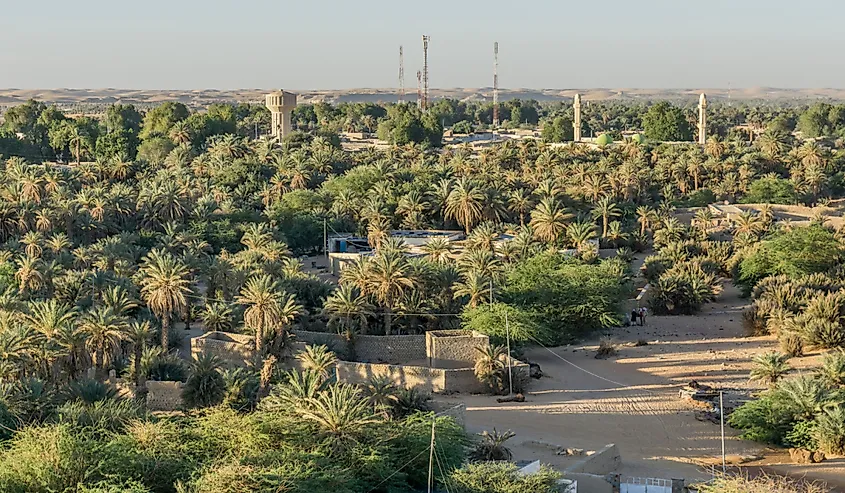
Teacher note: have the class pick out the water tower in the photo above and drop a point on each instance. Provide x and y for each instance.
(280, 104)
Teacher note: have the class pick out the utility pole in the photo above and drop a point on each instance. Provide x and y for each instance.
(491, 293)
(325, 239)
(431, 457)
(508, 338)
(722, 419)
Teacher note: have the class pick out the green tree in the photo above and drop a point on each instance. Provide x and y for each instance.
(664, 122)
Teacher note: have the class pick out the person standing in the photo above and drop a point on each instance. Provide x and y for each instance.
(643, 312)
(634, 313)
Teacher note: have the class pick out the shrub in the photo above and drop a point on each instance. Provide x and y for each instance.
(759, 484)
(492, 446)
(791, 344)
(206, 386)
(90, 391)
(42, 459)
(107, 415)
(832, 371)
(830, 431)
(802, 436)
(770, 367)
(493, 477)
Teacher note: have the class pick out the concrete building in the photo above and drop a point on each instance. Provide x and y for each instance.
(280, 104)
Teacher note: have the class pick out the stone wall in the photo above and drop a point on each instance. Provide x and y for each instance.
(164, 396)
(453, 348)
(455, 411)
(370, 349)
(431, 380)
(233, 349)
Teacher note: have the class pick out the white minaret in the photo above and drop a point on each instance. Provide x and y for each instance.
(702, 119)
(576, 121)
(280, 104)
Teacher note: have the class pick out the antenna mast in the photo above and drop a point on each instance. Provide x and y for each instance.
(401, 74)
(425, 40)
(496, 84)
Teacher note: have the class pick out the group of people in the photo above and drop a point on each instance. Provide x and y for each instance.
(638, 315)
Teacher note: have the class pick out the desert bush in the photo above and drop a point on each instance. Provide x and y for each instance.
(206, 386)
(410, 401)
(491, 446)
(47, 458)
(770, 367)
(754, 322)
(502, 477)
(759, 484)
(89, 391)
(791, 344)
(832, 371)
(106, 415)
(829, 431)
(607, 348)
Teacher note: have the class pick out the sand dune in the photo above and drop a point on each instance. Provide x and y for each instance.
(203, 97)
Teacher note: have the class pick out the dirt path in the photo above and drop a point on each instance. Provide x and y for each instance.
(657, 433)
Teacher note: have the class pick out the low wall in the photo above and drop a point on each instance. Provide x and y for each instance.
(431, 380)
(371, 349)
(233, 349)
(605, 461)
(453, 348)
(164, 396)
(455, 411)
(591, 483)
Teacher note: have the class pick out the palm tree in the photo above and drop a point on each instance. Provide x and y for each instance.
(549, 220)
(606, 209)
(490, 363)
(747, 222)
(832, 371)
(138, 333)
(646, 217)
(348, 307)
(263, 299)
(770, 367)
(165, 288)
(438, 250)
(465, 203)
(381, 394)
(475, 286)
(492, 446)
(105, 329)
(49, 317)
(216, 317)
(317, 359)
(387, 281)
(340, 411)
(520, 203)
(205, 387)
(29, 274)
(579, 234)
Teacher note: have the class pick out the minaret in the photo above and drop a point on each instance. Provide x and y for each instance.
(702, 119)
(576, 122)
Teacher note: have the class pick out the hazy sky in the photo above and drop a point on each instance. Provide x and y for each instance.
(326, 44)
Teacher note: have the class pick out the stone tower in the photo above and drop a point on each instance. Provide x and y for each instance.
(702, 119)
(280, 104)
(576, 121)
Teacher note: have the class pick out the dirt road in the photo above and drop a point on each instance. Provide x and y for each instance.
(632, 399)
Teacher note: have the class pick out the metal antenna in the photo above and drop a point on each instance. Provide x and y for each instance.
(419, 90)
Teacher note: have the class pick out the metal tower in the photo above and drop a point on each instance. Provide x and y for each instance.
(496, 84)
(425, 40)
(401, 74)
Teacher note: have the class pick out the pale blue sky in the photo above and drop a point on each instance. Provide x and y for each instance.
(325, 44)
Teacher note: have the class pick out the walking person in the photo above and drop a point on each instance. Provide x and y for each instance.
(643, 313)
(634, 316)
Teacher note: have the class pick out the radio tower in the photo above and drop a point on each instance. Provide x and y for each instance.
(496, 84)
(401, 75)
(425, 40)
(419, 89)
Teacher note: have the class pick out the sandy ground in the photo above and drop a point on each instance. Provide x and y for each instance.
(657, 433)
